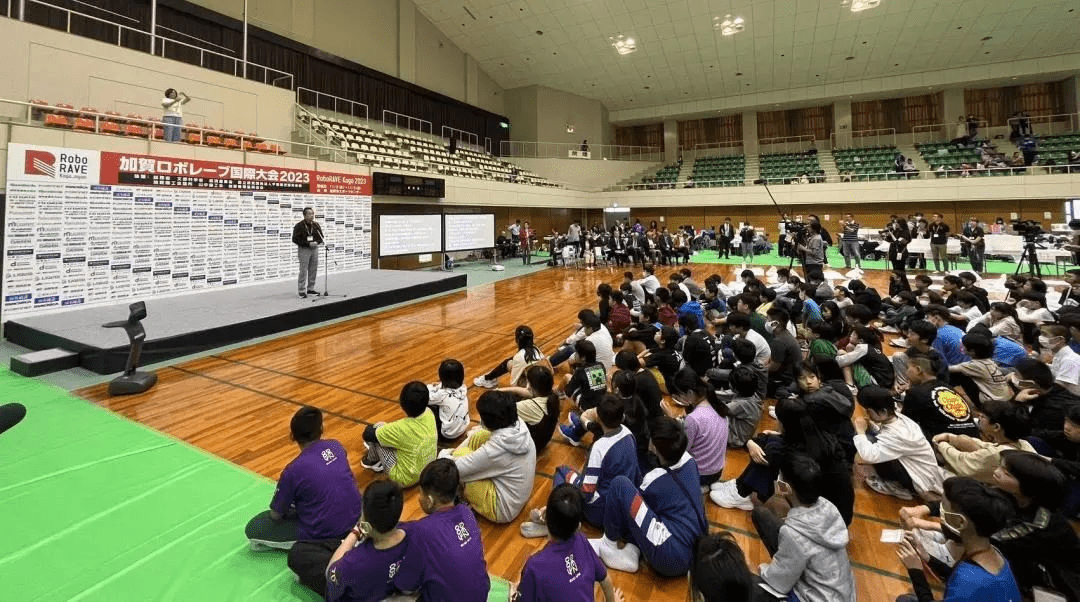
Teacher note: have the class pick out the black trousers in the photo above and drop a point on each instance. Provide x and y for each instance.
(308, 559)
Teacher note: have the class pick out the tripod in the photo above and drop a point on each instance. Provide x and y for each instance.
(1030, 255)
(326, 277)
(796, 236)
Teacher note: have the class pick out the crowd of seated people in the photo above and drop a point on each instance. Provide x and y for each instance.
(974, 419)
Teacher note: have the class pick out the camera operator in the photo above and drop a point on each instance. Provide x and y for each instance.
(813, 251)
(974, 242)
(897, 235)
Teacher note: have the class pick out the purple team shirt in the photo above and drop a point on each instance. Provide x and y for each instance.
(444, 558)
(320, 484)
(365, 574)
(564, 571)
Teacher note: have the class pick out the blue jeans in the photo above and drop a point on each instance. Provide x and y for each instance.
(172, 127)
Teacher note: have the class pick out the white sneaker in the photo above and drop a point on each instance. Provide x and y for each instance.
(772, 412)
(530, 530)
(727, 496)
(487, 383)
(889, 488)
(375, 466)
(717, 485)
(625, 560)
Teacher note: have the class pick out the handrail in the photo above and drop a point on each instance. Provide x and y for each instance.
(561, 150)
(238, 64)
(318, 95)
(946, 132)
(724, 148)
(1071, 119)
(790, 143)
(862, 135)
(409, 121)
(462, 135)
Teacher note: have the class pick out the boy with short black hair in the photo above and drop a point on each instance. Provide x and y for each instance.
(449, 401)
(316, 496)
(402, 448)
(444, 555)
(744, 406)
(902, 458)
(554, 573)
(981, 379)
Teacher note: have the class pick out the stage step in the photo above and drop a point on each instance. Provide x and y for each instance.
(45, 361)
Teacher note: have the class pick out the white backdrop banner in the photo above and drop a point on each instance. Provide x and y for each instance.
(90, 227)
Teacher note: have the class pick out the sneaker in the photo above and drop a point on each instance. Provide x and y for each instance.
(570, 433)
(889, 488)
(531, 530)
(536, 516)
(376, 466)
(258, 546)
(717, 485)
(487, 383)
(889, 329)
(772, 412)
(303, 295)
(625, 559)
(727, 496)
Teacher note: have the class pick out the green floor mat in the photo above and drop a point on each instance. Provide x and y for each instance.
(97, 507)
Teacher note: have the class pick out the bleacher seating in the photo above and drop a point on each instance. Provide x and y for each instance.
(1057, 148)
(711, 172)
(664, 178)
(868, 164)
(784, 168)
(937, 154)
(359, 142)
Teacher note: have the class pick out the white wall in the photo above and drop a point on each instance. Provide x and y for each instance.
(58, 67)
(541, 114)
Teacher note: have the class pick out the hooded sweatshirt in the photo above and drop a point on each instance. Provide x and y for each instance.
(509, 460)
(812, 559)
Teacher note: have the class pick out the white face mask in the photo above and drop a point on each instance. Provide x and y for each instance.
(772, 325)
(1044, 342)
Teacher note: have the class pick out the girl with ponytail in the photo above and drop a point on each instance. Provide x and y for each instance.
(706, 423)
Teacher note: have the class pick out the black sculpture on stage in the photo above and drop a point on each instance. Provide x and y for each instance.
(132, 381)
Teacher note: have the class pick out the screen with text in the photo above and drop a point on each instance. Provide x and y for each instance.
(466, 231)
(410, 234)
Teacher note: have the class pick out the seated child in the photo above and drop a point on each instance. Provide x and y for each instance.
(743, 405)
(706, 424)
(895, 446)
(316, 496)
(538, 404)
(402, 448)
(981, 379)
(444, 555)
(497, 462)
(554, 573)
(449, 400)
(614, 453)
(664, 518)
(361, 566)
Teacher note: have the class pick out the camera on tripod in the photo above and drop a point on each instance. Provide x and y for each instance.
(1031, 230)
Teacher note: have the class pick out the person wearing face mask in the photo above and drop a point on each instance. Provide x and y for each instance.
(444, 555)
(786, 355)
(894, 446)
(971, 512)
(1002, 426)
(1047, 401)
(1039, 543)
(809, 546)
(1064, 362)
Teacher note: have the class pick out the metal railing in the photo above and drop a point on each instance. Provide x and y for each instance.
(462, 136)
(328, 102)
(154, 41)
(561, 150)
(411, 123)
(1047, 125)
(864, 138)
(939, 132)
(727, 148)
(786, 144)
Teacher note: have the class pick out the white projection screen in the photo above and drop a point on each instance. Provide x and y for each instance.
(410, 234)
(467, 231)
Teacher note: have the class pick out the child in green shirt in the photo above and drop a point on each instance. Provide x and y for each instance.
(404, 447)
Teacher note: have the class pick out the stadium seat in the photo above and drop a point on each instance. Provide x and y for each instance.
(214, 139)
(193, 138)
(58, 121)
(263, 147)
(84, 124)
(111, 127)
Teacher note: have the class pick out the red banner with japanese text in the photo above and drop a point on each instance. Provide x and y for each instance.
(144, 170)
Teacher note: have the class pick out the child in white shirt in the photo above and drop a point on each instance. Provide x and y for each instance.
(449, 400)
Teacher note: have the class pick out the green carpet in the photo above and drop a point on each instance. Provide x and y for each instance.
(97, 507)
(836, 262)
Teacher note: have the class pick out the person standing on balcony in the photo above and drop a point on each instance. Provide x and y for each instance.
(173, 104)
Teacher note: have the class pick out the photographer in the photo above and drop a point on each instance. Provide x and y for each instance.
(813, 251)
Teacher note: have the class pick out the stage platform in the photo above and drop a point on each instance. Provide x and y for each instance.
(185, 324)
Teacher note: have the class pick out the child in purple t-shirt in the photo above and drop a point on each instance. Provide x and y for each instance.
(567, 567)
(706, 423)
(316, 496)
(444, 556)
(362, 567)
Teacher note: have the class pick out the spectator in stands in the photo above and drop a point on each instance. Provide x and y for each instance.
(901, 457)
(497, 462)
(357, 567)
(808, 546)
(173, 104)
(1001, 320)
(403, 447)
(444, 555)
(316, 496)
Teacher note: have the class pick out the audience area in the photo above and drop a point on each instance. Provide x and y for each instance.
(712, 172)
(791, 168)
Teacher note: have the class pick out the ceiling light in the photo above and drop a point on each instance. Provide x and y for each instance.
(729, 26)
(857, 6)
(623, 44)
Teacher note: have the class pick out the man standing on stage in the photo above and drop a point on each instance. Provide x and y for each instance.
(307, 236)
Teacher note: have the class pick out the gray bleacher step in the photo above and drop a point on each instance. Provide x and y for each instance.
(45, 361)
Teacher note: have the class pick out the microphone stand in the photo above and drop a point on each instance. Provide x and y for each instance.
(326, 277)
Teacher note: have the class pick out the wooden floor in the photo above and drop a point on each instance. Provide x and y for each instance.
(237, 405)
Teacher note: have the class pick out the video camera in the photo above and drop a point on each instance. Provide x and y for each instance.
(1031, 230)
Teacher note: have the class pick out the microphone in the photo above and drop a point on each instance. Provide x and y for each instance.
(10, 415)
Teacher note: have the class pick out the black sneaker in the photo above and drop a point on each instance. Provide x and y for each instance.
(303, 295)
(311, 292)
